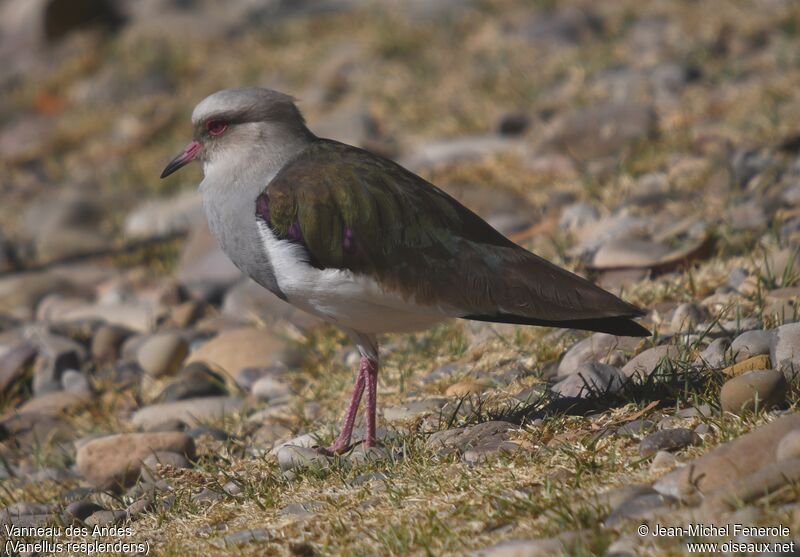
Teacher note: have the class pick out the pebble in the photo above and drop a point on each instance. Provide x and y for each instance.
(646, 363)
(764, 388)
(577, 215)
(636, 428)
(668, 440)
(193, 381)
(252, 535)
(75, 382)
(13, 363)
(601, 130)
(291, 457)
(729, 462)
(237, 349)
(270, 389)
(754, 486)
(56, 354)
(203, 268)
(687, 317)
(662, 461)
(623, 253)
(361, 455)
(151, 464)
(715, 355)
(789, 446)
(249, 375)
(162, 354)
(639, 508)
(53, 404)
(785, 353)
(107, 342)
(191, 411)
(590, 380)
(306, 509)
(752, 343)
(114, 461)
(475, 443)
(599, 347)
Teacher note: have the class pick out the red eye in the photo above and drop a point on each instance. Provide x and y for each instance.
(216, 127)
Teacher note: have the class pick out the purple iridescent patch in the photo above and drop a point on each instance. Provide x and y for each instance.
(348, 241)
(294, 232)
(262, 207)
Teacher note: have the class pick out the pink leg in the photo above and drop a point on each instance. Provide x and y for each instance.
(342, 442)
(372, 391)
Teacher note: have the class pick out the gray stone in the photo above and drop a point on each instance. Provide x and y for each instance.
(13, 363)
(203, 269)
(636, 428)
(624, 253)
(115, 461)
(639, 508)
(752, 343)
(716, 355)
(162, 354)
(56, 355)
(444, 152)
(191, 411)
(194, 381)
(602, 130)
(668, 440)
(362, 454)
(763, 389)
(688, 316)
(165, 216)
(789, 446)
(785, 354)
(599, 347)
(475, 443)
(590, 380)
(577, 215)
(107, 342)
(652, 359)
(151, 464)
(74, 381)
(252, 535)
(291, 457)
(270, 388)
(729, 462)
(306, 509)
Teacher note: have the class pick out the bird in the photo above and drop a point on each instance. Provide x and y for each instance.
(365, 244)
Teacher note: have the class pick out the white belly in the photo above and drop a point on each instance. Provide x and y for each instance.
(351, 301)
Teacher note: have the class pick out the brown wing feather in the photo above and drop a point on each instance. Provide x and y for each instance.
(360, 212)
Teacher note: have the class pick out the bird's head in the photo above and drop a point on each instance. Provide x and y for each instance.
(242, 123)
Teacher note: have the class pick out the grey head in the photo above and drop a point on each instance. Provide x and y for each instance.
(243, 137)
(240, 128)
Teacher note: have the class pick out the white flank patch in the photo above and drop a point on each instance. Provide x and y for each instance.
(352, 301)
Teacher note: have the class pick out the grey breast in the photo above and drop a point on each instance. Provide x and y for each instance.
(232, 220)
